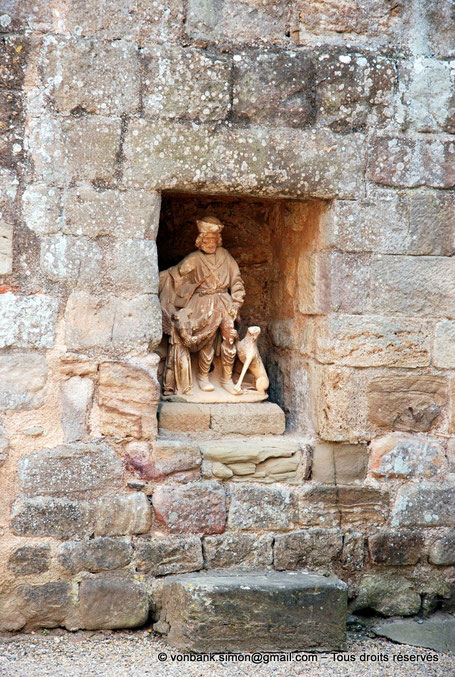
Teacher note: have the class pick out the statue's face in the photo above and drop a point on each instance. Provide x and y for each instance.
(209, 243)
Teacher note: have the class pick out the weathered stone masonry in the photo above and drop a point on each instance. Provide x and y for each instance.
(340, 119)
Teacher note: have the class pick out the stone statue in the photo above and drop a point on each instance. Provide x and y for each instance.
(200, 298)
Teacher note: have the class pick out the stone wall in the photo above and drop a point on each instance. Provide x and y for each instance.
(347, 110)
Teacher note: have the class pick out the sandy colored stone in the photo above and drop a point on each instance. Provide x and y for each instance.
(28, 559)
(46, 605)
(183, 416)
(92, 76)
(408, 402)
(442, 551)
(127, 400)
(339, 463)
(77, 398)
(112, 603)
(372, 341)
(263, 418)
(362, 505)
(167, 457)
(41, 208)
(111, 321)
(317, 506)
(387, 593)
(353, 553)
(251, 450)
(242, 468)
(443, 349)
(197, 507)
(122, 515)
(400, 455)
(75, 364)
(274, 466)
(425, 504)
(349, 16)
(163, 555)
(121, 214)
(22, 379)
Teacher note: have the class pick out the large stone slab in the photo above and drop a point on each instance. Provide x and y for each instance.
(184, 417)
(437, 632)
(261, 418)
(197, 507)
(112, 603)
(255, 612)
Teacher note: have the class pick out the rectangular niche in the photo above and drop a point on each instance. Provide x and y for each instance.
(273, 242)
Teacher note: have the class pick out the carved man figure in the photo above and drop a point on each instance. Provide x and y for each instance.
(201, 294)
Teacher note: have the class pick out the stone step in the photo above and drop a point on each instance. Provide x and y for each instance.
(254, 611)
(218, 420)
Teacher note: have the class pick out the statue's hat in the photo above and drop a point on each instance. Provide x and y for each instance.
(209, 224)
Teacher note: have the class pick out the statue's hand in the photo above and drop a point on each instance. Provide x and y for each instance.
(233, 312)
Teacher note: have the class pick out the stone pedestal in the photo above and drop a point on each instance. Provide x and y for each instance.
(270, 611)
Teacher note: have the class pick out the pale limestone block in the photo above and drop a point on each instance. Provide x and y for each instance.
(91, 75)
(77, 397)
(262, 418)
(399, 455)
(444, 345)
(184, 416)
(120, 214)
(229, 451)
(41, 208)
(22, 379)
(71, 259)
(8, 185)
(27, 321)
(6, 248)
(133, 265)
(111, 321)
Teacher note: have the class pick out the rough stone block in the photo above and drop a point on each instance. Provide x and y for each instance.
(424, 505)
(237, 21)
(29, 559)
(6, 248)
(244, 551)
(41, 208)
(83, 148)
(398, 455)
(77, 398)
(274, 88)
(372, 341)
(70, 469)
(408, 402)
(317, 506)
(75, 364)
(20, 15)
(113, 19)
(13, 61)
(99, 554)
(112, 322)
(444, 345)
(92, 76)
(353, 553)
(186, 83)
(75, 260)
(364, 17)
(387, 593)
(441, 24)
(46, 605)
(8, 186)
(127, 399)
(420, 286)
(362, 505)
(339, 463)
(22, 378)
(397, 161)
(122, 515)
(157, 155)
(440, 162)
(12, 116)
(161, 556)
(4, 445)
(168, 457)
(341, 412)
(396, 548)
(56, 517)
(257, 507)
(264, 418)
(442, 551)
(112, 603)
(427, 95)
(307, 549)
(183, 417)
(121, 214)
(198, 507)
(133, 265)
(435, 207)
(27, 321)
(217, 612)
(351, 86)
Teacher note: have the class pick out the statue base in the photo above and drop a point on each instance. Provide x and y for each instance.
(218, 394)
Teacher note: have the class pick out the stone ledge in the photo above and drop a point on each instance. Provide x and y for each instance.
(255, 611)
